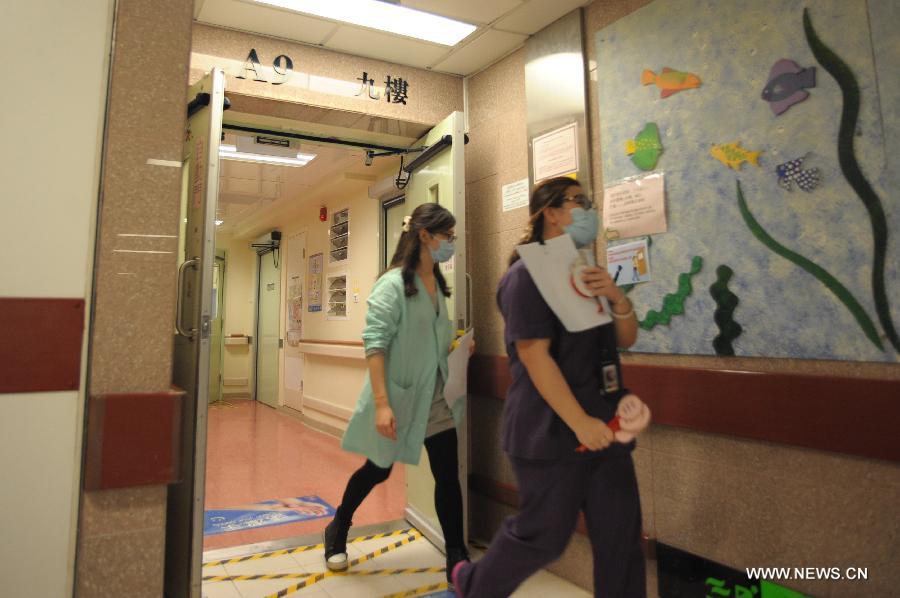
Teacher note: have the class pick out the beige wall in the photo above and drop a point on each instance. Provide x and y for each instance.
(322, 77)
(740, 502)
(240, 301)
(331, 384)
(50, 167)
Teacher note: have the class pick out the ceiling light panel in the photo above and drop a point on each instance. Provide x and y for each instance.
(382, 16)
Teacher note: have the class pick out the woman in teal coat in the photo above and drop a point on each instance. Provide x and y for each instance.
(401, 407)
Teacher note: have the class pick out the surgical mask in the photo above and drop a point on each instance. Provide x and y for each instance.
(583, 229)
(443, 253)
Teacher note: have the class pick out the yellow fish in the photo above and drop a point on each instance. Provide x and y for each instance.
(733, 155)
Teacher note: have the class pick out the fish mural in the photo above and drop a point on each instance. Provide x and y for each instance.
(670, 81)
(733, 155)
(645, 148)
(786, 83)
(792, 172)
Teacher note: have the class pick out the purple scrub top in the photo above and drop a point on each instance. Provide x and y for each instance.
(531, 429)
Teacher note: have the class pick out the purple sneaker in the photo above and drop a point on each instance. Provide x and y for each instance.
(455, 577)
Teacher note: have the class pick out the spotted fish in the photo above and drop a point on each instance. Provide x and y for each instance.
(792, 172)
(645, 148)
(733, 155)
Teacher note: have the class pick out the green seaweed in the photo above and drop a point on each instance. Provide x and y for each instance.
(673, 303)
(852, 172)
(726, 302)
(839, 290)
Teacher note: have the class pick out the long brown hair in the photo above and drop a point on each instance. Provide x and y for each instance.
(549, 194)
(434, 219)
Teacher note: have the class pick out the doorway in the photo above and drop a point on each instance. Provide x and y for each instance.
(268, 332)
(326, 351)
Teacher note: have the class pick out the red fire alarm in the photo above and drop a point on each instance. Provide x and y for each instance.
(323, 214)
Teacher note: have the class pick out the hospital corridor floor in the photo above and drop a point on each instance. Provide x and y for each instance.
(257, 454)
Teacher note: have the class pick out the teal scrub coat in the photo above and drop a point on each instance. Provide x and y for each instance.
(416, 341)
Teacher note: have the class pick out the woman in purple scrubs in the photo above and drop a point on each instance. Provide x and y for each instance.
(565, 388)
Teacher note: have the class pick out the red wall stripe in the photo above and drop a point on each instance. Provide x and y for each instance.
(40, 350)
(832, 413)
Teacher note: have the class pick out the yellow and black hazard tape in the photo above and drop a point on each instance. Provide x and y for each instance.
(317, 577)
(298, 549)
(364, 572)
(435, 587)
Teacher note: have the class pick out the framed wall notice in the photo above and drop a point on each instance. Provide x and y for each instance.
(314, 282)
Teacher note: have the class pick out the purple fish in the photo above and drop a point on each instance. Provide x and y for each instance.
(787, 80)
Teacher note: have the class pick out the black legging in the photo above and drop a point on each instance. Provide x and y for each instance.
(447, 493)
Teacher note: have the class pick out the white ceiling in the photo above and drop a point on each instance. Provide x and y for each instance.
(503, 26)
(255, 197)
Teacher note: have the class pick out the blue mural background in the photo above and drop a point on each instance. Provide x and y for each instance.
(783, 310)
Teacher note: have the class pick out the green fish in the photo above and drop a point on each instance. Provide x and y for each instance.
(645, 148)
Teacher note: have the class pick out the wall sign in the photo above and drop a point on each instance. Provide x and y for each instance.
(395, 90)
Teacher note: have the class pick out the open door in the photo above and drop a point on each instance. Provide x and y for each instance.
(441, 179)
(193, 321)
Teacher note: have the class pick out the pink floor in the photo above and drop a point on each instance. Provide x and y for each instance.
(255, 453)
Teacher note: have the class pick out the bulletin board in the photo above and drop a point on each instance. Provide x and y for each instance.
(797, 262)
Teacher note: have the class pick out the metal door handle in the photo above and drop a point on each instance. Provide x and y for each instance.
(179, 298)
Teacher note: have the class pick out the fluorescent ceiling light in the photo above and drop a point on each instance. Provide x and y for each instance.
(375, 14)
(229, 152)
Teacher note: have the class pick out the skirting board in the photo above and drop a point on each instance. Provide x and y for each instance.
(327, 408)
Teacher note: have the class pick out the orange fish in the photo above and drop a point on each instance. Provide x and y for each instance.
(670, 81)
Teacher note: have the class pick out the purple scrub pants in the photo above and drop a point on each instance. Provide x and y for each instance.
(551, 495)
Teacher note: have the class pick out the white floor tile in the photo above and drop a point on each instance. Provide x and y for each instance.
(276, 564)
(543, 584)
(351, 586)
(220, 589)
(262, 588)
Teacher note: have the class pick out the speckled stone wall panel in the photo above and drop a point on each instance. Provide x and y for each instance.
(746, 503)
(121, 542)
(432, 96)
(125, 564)
(135, 292)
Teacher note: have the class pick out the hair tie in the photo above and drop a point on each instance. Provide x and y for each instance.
(406, 221)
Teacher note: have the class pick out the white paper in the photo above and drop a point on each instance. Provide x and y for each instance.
(635, 208)
(552, 266)
(629, 263)
(458, 369)
(515, 195)
(555, 153)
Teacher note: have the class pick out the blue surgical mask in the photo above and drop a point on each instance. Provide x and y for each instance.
(583, 229)
(443, 253)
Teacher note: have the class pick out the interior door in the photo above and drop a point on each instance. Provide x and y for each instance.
(443, 180)
(268, 329)
(191, 358)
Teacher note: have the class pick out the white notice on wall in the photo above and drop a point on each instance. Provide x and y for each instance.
(635, 208)
(555, 153)
(515, 195)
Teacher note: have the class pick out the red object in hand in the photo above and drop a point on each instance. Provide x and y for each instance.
(323, 213)
(612, 425)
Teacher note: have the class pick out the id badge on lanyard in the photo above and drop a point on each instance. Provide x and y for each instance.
(610, 374)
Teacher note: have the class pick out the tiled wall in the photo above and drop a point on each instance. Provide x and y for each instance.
(740, 502)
